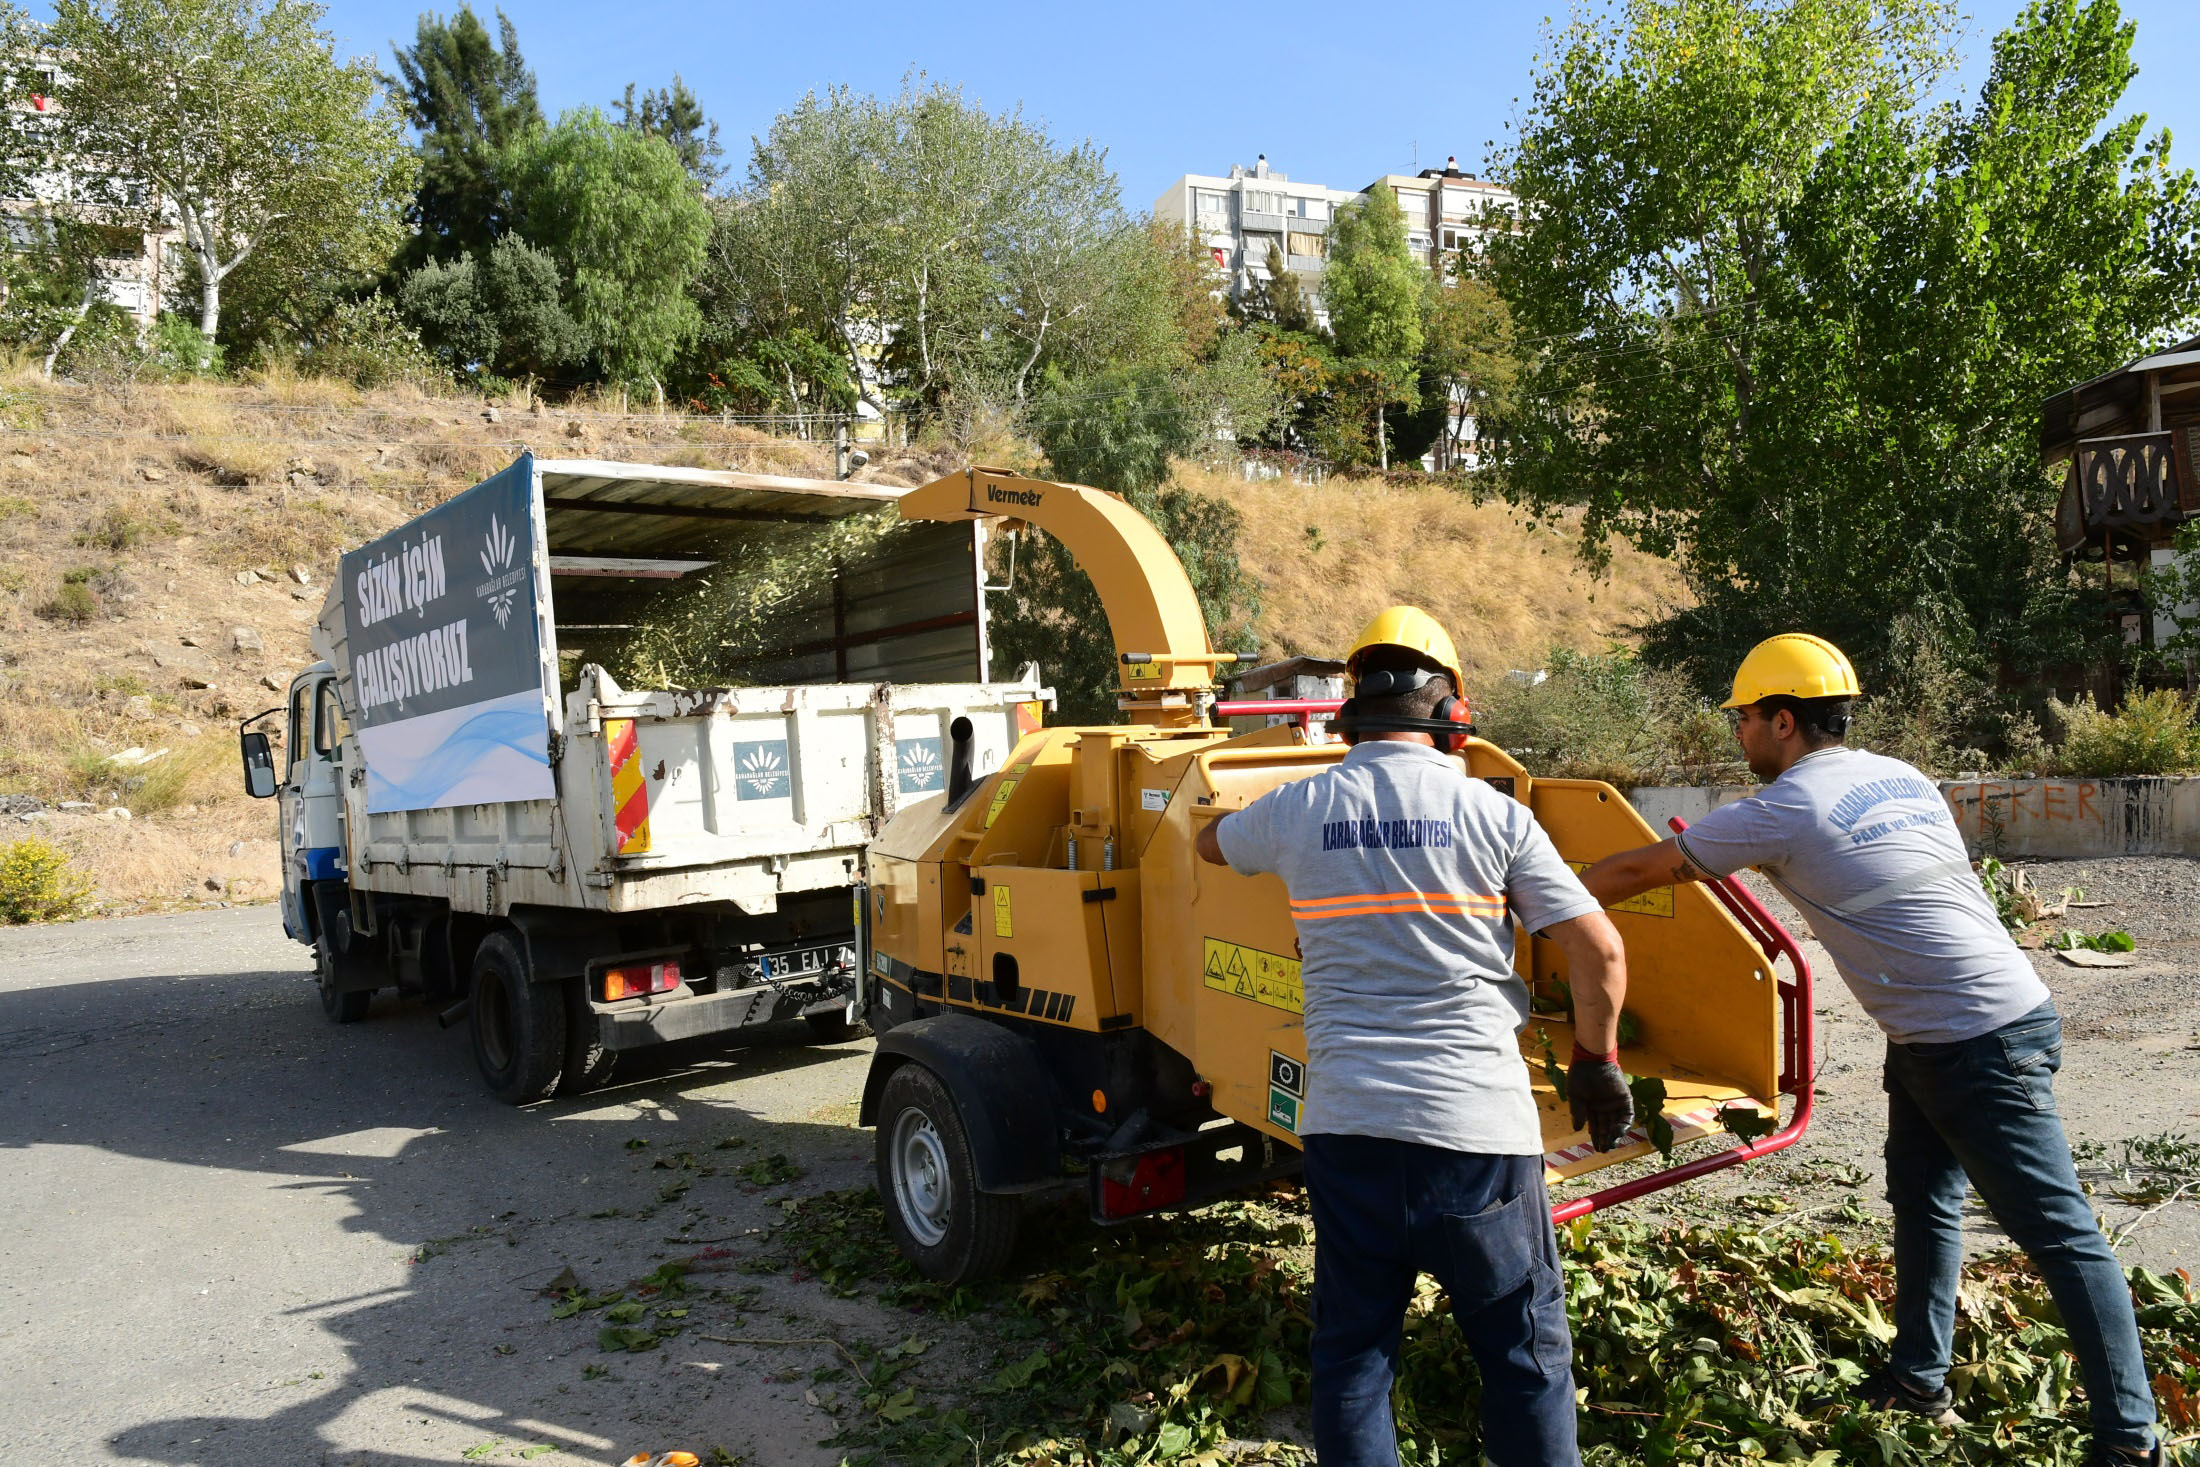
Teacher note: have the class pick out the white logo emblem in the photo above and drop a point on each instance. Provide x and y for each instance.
(496, 559)
(762, 769)
(920, 764)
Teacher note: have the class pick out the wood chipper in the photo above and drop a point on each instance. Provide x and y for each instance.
(1065, 996)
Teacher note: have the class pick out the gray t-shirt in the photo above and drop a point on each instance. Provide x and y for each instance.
(1404, 875)
(1865, 848)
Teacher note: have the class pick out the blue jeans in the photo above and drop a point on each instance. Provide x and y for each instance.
(1984, 1110)
(1385, 1212)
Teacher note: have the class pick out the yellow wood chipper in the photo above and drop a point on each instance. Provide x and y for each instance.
(1066, 996)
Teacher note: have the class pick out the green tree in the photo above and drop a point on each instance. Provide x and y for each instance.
(674, 115)
(1794, 326)
(238, 116)
(1281, 300)
(1469, 361)
(504, 314)
(1374, 291)
(470, 97)
(627, 226)
(1118, 434)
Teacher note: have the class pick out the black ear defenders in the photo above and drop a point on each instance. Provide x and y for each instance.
(1451, 721)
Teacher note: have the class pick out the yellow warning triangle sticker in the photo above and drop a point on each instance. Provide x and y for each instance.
(1244, 988)
(1214, 964)
(1237, 962)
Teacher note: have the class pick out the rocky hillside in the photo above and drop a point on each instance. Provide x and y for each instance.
(164, 549)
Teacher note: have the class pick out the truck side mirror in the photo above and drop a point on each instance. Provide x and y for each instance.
(259, 764)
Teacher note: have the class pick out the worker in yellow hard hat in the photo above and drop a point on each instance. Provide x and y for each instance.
(1423, 1147)
(1865, 848)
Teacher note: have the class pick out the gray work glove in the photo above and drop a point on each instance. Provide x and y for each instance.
(1600, 1098)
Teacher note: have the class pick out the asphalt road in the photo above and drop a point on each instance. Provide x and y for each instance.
(232, 1232)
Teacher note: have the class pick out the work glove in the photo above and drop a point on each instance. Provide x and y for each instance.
(1600, 1097)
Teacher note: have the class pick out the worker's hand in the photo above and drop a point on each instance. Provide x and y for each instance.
(1600, 1098)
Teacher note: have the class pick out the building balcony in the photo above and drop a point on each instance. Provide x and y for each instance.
(1309, 264)
(1252, 221)
(2130, 483)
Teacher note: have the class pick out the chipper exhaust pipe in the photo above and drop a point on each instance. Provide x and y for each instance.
(959, 780)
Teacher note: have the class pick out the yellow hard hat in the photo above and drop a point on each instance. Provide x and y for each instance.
(1415, 630)
(1793, 665)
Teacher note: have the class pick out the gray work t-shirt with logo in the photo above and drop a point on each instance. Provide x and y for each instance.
(1404, 875)
(1866, 849)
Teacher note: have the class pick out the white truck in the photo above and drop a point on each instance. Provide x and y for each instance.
(579, 869)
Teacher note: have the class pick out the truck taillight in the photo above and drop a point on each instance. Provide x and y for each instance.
(639, 980)
(1157, 1180)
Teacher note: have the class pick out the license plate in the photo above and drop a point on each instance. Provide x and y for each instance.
(796, 965)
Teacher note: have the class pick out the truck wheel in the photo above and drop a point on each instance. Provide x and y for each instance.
(518, 1026)
(343, 1007)
(588, 1063)
(939, 1219)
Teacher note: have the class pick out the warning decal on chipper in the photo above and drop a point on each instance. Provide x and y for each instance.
(1247, 972)
(1655, 903)
(1002, 791)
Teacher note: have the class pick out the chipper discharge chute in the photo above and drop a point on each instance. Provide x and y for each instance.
(1065, 995)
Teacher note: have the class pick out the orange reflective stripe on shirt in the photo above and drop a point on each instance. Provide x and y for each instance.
(1434, 903)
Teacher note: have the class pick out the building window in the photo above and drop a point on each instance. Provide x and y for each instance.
(1211, 202)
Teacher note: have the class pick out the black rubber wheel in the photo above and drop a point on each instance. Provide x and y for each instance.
(518, 1026)
(342, 1006)
(588, 1063)
(834, 1027)
(939, 1219)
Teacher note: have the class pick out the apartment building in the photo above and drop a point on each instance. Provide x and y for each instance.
(1446, 210)
(1240, 217)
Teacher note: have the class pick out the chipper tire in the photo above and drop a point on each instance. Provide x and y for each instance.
(518, 1026)
(940, 1221)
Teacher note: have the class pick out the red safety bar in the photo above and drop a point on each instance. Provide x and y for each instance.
(1304, 709)
(1798, 1077)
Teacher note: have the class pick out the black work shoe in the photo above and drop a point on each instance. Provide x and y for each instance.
(1883, 1392)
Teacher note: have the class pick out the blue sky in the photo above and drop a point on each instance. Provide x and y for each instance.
(1332, 94)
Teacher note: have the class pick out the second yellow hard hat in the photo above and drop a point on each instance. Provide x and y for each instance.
(1793, 665)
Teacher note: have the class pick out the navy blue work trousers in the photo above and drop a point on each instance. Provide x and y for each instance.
(1981, 1113)
(1387, 1211)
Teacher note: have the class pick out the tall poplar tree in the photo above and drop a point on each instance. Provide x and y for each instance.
(1374, 290)
(470, 97)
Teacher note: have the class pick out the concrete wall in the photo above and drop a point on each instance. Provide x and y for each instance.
(2029, 819)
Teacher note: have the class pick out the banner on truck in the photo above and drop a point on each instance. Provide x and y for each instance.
(446, 653)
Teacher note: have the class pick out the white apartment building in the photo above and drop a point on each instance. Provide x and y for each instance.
(1445, 210)
(1239, 218)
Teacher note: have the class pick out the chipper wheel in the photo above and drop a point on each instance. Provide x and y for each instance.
(941, 1222)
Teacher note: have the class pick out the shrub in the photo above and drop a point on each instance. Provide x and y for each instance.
(368, 344)
(37, 884)
(2153, 733)
(180, 350)
(1604, 715)
(73, 602)
(119, 527)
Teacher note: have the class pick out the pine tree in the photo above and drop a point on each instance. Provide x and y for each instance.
(676, 116)
(470, 97)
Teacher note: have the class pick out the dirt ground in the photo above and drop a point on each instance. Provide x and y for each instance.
(235, 1233)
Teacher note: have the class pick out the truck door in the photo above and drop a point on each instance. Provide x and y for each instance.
(312, 797)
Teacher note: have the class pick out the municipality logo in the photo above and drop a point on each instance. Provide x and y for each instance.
(496, 558)
(920, 766)
(760, 770)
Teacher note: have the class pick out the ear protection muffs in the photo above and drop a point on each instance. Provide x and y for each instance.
(1451, 721)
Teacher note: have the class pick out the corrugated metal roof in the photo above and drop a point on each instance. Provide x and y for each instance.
(598, 507)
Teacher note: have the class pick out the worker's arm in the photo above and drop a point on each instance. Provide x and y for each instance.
(1596, 969)
(1209, 844)
(1631, 873)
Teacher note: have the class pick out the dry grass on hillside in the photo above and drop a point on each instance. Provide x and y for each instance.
(142, 526)
(1328, 557)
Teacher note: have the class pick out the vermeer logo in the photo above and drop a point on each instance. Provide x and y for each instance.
(1028, 498)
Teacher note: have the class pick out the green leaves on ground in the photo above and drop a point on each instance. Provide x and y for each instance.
(2072, 940)
(1747, 1122)
(769, 1171)
(1152, 1342)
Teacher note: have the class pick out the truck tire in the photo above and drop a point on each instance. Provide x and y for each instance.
(345, 1007)
(588, 1063)
(518, 1026)
(941, 1222)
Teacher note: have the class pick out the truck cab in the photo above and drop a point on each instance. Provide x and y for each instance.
(310, 798)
